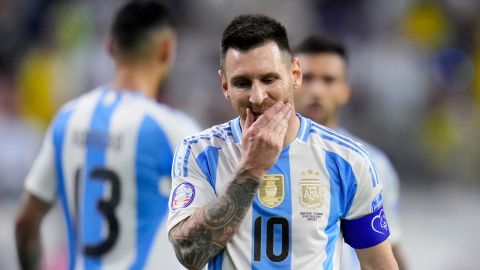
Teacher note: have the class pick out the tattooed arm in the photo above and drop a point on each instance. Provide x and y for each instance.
(206, 232)
(201, 236)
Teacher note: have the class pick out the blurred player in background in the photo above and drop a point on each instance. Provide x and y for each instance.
(271, 189)
(107, 157)
(324, 91)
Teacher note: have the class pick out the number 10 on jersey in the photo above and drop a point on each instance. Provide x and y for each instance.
(272, 252)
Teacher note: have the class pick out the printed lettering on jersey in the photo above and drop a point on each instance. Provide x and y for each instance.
(311, 191)
(272, 190)
(379, 223)
(377, 202)
(182, 196)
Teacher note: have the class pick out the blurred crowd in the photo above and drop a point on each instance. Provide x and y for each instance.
(414, 67)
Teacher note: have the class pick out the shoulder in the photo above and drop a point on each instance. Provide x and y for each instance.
(333, 141)
(170, 117)
(219, 136)
(384, 166)
(88, 99)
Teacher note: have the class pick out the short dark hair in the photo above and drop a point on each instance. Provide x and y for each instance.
(246, 32)
(134, 23)
(317, 44)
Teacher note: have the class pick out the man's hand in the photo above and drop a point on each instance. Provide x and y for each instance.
(262, 140)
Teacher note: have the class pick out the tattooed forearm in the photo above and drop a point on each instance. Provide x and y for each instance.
(206, 232)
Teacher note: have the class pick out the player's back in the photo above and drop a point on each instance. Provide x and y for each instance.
(113, 153)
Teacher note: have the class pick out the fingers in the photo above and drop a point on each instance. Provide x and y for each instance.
(249, 119)
(265, 118)
(279, 124)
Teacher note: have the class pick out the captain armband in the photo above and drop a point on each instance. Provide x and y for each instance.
(367, 231)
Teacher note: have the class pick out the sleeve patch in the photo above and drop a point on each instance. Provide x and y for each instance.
(367, 231)
(182, 196)
(377, 202)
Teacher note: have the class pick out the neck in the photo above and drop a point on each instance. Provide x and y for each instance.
(292, 129)
(332, 123)
(136, 77)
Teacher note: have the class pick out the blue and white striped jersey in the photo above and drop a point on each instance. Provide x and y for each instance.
(107, 157)
(322, 189)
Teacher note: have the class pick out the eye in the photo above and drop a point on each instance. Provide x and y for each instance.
(306, 78)
(268, 80)
(328, 79)
(242, 83)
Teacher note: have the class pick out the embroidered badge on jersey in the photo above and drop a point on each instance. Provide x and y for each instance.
(272, 190)
(312, 193)
(182, 196)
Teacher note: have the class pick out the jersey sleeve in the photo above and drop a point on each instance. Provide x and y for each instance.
(190, 187)
(41, 180)
(391, 194)
(364, 224)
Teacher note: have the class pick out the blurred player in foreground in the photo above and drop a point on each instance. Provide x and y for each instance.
(272, 189)
(107, 157)
(324, 91)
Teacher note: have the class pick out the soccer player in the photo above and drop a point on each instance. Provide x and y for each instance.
(325, 90)
(272, 189)
(107, 157)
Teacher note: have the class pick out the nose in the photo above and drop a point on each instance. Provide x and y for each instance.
(257, 94)
(317, 89)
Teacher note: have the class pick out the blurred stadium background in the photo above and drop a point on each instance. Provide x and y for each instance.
(414, 67)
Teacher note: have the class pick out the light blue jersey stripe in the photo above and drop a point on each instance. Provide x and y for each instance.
(58, 136)
(216, 262)
(92, 221)
(185, 160)
(274, 224)
(208, 161)
(153, 162)
(373, 174)
(236, 130)
(308, 124)
(343, 186)
(303, 128)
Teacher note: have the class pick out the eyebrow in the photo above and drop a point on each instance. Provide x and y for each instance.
(271, 74)
(239, 78)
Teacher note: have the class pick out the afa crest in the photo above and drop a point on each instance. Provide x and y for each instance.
(311, 189)
(272, 190)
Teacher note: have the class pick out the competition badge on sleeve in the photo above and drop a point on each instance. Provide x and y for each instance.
(311, 191)
(182, 196)
(271, 191)
(377, 202)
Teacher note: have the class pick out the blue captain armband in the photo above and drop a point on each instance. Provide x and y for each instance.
(367, 231)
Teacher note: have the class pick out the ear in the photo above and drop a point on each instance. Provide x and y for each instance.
(296, 73)
(166, 50)
(345, 95)
(224, 83)
(109, 46)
